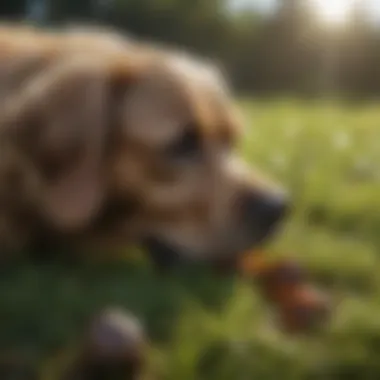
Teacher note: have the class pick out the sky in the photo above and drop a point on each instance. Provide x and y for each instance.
(267, 6)
(262, 5)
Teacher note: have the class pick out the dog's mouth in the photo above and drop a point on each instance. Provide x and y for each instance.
(166, 255)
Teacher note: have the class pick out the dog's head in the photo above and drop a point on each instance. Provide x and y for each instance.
(153, 142)
(178, 160)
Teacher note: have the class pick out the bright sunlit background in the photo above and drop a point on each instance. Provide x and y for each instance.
(329, 12)
(333, 11)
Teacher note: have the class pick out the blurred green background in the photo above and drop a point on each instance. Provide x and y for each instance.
(307, 85)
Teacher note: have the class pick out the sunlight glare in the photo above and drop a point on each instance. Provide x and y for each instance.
(333, 11)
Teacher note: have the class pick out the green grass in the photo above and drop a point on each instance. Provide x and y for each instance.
(204, 327)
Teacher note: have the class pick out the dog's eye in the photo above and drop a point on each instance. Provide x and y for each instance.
(187, 146)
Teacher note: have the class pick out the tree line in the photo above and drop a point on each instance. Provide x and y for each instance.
(286, 52)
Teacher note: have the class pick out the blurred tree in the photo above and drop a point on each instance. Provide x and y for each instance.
(12, 9)
(79, 10)
(286, 51)
(360, 55)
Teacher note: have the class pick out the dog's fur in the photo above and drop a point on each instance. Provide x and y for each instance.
(105, 141)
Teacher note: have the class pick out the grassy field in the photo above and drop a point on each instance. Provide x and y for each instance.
(210, 328)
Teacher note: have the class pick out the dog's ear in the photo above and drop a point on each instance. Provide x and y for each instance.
(61, 122)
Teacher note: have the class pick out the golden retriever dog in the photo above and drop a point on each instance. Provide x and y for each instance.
(107, 141)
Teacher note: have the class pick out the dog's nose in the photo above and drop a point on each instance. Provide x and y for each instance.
(265, 210)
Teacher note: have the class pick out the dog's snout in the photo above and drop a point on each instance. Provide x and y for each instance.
(264, 211)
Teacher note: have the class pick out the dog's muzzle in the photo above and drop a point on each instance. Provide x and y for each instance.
(259, 218)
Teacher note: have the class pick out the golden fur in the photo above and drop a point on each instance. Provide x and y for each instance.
(87, 119)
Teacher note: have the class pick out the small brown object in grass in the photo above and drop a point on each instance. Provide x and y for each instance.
(286, 285)
(114, 349)
(306, 309)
